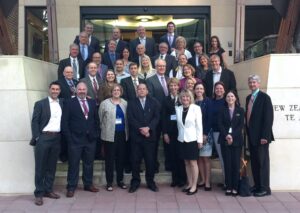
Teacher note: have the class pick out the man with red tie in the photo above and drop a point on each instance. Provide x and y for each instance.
(80, 126)
(259, 119)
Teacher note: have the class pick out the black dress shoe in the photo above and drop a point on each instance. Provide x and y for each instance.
(207, 188)
(228, 193)
(70, 194)
(191, 193)
(253, 189)
(52, 195)
(153, 187)
(185, 189)
(132, 189)
(261, 193)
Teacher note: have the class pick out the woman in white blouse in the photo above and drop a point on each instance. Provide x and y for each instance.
(180, 48)
(189, 123)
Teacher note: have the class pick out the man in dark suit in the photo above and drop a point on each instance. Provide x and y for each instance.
(259, 119)
(158, 89)
(116, 36)
(93, 42)
(140, 50)
(85, 51)
(198, 51)
(143, 116)
(110, 57)
(46, 129)
(74, 61)
(68, 91)
(92, 82)
(169, 37)
(171, 62)
(67, 84)
(149, 43)
(218, 74)
(129, 84)
(80, 125)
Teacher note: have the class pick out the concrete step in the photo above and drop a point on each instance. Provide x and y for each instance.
(99, 174)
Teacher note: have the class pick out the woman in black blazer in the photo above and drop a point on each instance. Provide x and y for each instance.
(170, 133)
(231, 123)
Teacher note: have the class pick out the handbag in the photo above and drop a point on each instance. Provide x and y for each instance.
(244, 183)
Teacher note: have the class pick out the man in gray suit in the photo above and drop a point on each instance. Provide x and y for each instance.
(46, 136)
(158, 89)
(92, 81)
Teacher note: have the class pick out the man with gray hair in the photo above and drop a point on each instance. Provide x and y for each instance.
(116, 36)
(259, 121)
(85, 51)
(74, 61)
(149, 43)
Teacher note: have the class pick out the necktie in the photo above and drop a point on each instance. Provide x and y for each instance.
(143, 102)
(161, 57)
(95, 86)
(83, 52)
(170, 40)
(249, 109)
(85, 108)
(163, 83)
(72, 87)
(135, 85)
(113, 58)
(74, 69)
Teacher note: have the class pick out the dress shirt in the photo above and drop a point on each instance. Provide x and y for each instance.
(254, 94)
(121, 75)
(90, 39)
(217, 75)
(143, 41)
(92, 80)
(76, 72)
(143, 102)
(136, 80)
(197, 59)
(55, 118)
(162, 56)
(86, 53)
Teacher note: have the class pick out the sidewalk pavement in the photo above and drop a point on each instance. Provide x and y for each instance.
(168, 200)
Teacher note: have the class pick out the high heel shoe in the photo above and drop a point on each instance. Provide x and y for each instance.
(186, 189)
(191, 193)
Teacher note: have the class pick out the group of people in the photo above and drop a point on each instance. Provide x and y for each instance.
(130, 98)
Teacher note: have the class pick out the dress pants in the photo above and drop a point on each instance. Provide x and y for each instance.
(166, 147)
(115, 154)
(232, 157)
(46, 153)
(260, 166)
(176, 163)
(219, 151)
(143, 149)
(84, 151)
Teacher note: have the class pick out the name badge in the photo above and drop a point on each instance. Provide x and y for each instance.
(118, 120)
(230, 130)
(173, 117)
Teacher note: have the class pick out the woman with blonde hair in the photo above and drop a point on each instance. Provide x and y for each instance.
(180, 48)
(146, 70)
(189, 124)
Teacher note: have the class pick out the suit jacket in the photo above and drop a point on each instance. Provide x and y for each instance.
(164, 38)
(139, 117)
(120, 46)
(227, 77)
(128, 88)
(76, 128)
(66, 92)
(155, 88)
(90, 86)
(191, 130)
(261, 119)
(171, 62)
(95, 44)
(40, 117)
(67, 62)
(150, 47)
(192, 61)
(169, 126)
(106, 60)
(236, 124)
